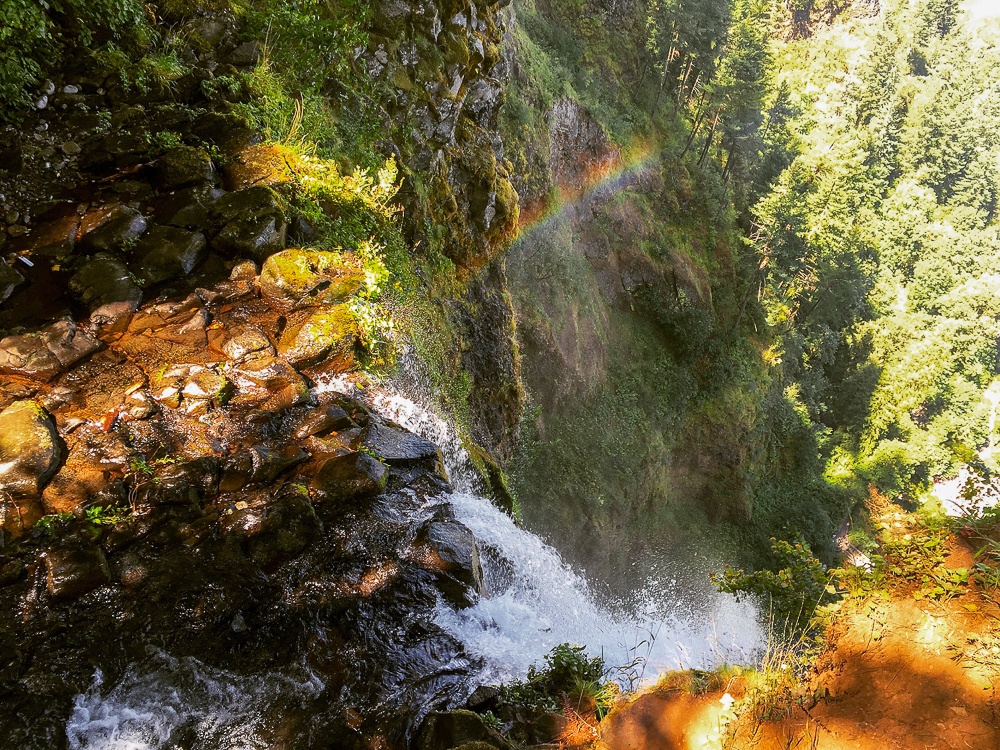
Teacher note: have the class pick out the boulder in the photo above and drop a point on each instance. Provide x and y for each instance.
(168, 252)
(9, 280)
(30, 449)
(184, 166)
(323, 334)
(112, 318)
(245, 342)
(270, 383)
(398, 447)
(104, 280)
(252, 237)
(349, 478)
(110, 228)
(288, 527)
(298, 278)
(450, 550)
(321, 420)
(44, 354)
(75, 570)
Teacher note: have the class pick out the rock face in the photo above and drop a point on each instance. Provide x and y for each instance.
(451, 120)
(30, 449)
(350, 478)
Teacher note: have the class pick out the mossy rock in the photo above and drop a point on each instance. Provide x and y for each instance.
(325, 334)
(298, 278)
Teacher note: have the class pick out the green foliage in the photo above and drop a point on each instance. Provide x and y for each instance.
(99, 515)
(792, 592)
(569, 677)
(30, 37)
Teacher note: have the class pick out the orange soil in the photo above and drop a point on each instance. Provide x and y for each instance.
(897, 674)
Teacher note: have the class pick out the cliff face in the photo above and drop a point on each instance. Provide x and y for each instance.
(443, 64)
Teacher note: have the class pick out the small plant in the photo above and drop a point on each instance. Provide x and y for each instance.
(47, 526)
(570, 679)
(99, 515)
(792, 592)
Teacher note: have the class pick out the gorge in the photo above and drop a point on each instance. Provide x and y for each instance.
(430, 373)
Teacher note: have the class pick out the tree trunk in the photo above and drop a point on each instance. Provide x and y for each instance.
(711, 135)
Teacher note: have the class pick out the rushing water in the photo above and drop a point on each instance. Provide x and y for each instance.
(534, 602)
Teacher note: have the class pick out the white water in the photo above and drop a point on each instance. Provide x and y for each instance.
(536, 601)
(213, 708)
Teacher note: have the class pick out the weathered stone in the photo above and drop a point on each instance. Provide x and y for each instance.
(9, 280)
(30, 449)
(110, 228)
(168, 252)
(103, 280)
(327, 333)
(265, 380)
(237, 472)
(253, 237)
(112, 318)
(68, 342)
(201, 475)
(44, 354)
(246, 341)
(321, 420)
(444, 730)
(229, 133)
(195, 386)
(74, 571)
(183, 166)
(27, 355)
(288, 527)
(298, 278)
(242, 204)
(350, 477)
(264, 164)
(77, 481)
(397, 446)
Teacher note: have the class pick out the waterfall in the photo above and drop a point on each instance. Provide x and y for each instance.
(535, 601)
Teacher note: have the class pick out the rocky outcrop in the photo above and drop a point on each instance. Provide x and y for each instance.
(443, 61)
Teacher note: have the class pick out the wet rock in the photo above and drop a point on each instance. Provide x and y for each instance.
(200, 476)
(245, 342)
(44, 354)
(68, 342)
(75, 570)
(184, 166)
(268, 463)
(168, 252)
(110, 228)
(112, 318)
(256, 237)
(270, 383)
(30, 448)
(397, 447)
(325, 334)
(237, 472)
(322, 420)
(11, 569)
(289, 526)
(297, 278)
(444, 730)
(449, 549)
(350, 478)
(55, 234)
(195, 386)
(104, 280)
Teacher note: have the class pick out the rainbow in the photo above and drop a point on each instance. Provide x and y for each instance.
(604, 177)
